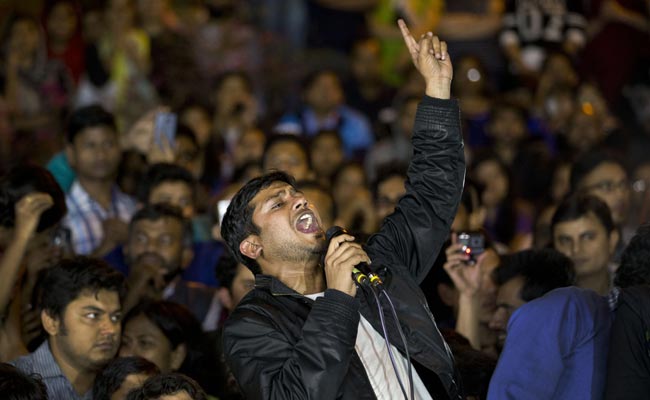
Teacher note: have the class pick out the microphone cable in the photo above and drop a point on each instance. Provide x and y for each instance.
(388, 345)
(403, 337)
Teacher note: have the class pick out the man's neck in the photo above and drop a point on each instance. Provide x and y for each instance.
(304, 279)
(598, 282)
(98, 190)
(81, 380)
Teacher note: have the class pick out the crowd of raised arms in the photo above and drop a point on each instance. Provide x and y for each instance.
(128, 126)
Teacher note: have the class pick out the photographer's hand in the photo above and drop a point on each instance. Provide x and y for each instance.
(468, 279)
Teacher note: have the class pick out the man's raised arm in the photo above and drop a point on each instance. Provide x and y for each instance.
(414, 234)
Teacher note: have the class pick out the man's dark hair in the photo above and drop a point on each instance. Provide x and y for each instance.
(226, 269)
(180, 327)
(89, 117)
(238, 223)
(69, 278)
(579, 205)
(542, 270)
(167, 384)
(163, 173)
(286, 138)
(22, 180)
(635, 260)
(588, 162)
(154, 212)
(17, 385)
(111, 377)
(175, 321)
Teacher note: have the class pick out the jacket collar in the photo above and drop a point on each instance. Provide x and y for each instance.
(274, 286)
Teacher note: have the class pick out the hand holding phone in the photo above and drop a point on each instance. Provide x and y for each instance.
(473, 244)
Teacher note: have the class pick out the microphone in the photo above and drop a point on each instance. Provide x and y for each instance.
(361, 273)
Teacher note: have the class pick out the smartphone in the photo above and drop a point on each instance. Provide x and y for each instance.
(473, 244)
(222, 206)
(61, 238)
(165, 126)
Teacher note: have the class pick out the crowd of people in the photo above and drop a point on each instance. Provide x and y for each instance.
(125, 252)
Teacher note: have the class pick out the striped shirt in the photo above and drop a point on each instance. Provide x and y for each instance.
(41, 362)
(85, 216)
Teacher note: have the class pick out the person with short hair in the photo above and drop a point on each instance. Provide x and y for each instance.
(305, 331)
(582, 229)
(162, 332)
(603, 175)
(287, 153)
(324, 109)
(81, 302)
(171, 184)
(122, 375)
(554, 330)
(158, 250)
(98, 212)
(388, 188)
(524, 276)
(170, 386)
(168, 335)
(166, 183)
(17, 385)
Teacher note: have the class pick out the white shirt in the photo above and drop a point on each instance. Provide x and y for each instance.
(372, 351)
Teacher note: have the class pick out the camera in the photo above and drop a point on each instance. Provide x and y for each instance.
(473, 244)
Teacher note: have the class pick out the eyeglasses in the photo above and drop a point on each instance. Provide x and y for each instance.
(609, 186)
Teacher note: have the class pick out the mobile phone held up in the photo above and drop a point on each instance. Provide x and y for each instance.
(473, 244)
(165, 129)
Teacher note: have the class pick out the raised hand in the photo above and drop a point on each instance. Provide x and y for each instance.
(466, 275)
(431, 58)
(28, 212)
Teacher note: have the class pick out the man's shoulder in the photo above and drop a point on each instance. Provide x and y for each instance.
(562, 305)
(40, 362)
(25, 363)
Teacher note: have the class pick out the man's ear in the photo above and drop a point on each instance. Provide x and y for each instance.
(251, 247)
(50, 324)
(187, 256)
(178, 356)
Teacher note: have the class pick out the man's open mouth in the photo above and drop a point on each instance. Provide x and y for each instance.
(307, 223)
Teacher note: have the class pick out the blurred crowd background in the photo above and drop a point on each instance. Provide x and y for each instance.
(554, 98)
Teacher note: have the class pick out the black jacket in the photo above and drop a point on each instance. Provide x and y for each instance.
(628, 363)
(281, 345)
